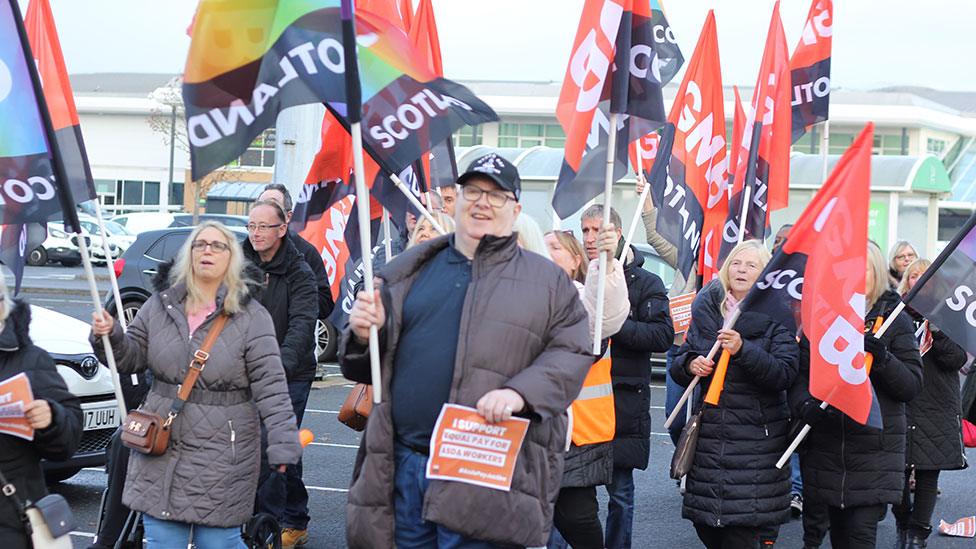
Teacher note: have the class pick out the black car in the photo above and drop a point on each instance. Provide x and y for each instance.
(138, 265)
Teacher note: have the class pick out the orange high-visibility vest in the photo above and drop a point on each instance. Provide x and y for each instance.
(594, 419)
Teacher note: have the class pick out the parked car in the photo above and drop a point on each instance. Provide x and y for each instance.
(59, 247)
(117, 234)
(140, 222)
(139, 264)
(66, 340)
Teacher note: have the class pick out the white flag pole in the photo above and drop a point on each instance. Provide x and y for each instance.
(640, 201)
(109, 262)
(388, 247)
(823, 405)
(601, 286)
(416, 203)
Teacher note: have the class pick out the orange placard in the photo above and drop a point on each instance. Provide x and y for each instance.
(466, 448)
(15, 395)
(963, 528)
(681, 312)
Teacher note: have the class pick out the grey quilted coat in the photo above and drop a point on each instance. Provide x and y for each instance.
(208, 476)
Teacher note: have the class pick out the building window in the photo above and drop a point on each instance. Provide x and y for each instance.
(839, 142)
(809, 143)
(525, 135)
(887, 144)
(135, 193)
(261, 153)
(176, 194)
(468, 136)
(935, 146)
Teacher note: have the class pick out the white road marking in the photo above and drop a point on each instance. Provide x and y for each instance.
(314, 411)
(334, 445)
(82, 534)
(325, 489)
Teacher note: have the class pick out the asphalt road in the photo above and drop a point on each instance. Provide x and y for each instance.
(329, 460)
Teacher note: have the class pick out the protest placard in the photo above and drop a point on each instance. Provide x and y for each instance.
(15, 395)
(681, 312)
(466, 448)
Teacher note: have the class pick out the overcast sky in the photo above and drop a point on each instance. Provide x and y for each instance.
(876, 42)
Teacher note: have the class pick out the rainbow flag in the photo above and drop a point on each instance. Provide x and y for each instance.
(250, 59)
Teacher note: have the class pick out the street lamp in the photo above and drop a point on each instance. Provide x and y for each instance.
(169, 95)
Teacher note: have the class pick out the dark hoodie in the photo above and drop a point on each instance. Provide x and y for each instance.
(20, 460)
(290, 296)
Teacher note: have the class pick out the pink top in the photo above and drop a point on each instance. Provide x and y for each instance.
(197, 318)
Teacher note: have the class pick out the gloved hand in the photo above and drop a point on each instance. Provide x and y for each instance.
(878, 350)
(811, 413)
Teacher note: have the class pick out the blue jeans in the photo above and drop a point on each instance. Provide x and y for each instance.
(295, 513)
(411, 530)
(167, 534)
(795, 478)
(620, 515)
(672, 394)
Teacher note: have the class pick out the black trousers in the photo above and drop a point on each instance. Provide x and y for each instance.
(915, 514)
(114, 512)
(816, 522)
(576, 516)
(854, 527)
(738, 537)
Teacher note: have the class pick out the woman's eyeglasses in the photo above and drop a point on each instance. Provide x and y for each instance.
(216, 246)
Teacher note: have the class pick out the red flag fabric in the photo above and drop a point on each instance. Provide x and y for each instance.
(816, 282)
(696, 200)
(649, 145)
(407, 13)
(771, 105)
(43, 37)
(738, 123)
(810, 69)
(388, 9)
(423, 35)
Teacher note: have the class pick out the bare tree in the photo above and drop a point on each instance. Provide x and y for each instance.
(169, 121)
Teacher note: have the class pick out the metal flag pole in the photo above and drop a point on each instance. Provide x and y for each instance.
(65, 197)
(601, 285)
(749, 178)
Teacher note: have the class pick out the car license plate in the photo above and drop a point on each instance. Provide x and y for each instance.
(101, 418)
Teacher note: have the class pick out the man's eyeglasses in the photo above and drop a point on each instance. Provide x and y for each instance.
(216, 245)
(261, 227)
(496, 199)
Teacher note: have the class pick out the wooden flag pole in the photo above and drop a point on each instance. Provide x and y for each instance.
(694, 383)
(823, 405)
(416, 203)
(601, 285)
(64, 195)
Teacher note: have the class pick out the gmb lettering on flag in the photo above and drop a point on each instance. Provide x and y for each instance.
(623, 53)
(810, 69)
(234, 86)
(816, 282)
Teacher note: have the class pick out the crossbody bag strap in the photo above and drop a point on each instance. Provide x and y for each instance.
(199, 361)
(8, 490)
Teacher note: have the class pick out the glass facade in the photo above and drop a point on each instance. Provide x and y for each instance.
(261, 153)
(468, 136)
(525, 135)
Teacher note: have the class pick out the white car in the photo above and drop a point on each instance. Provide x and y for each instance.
(66, 340)
(139, 222)
(59, 246)
(118, 237)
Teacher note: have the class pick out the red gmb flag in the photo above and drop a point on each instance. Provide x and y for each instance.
(771, 106)
(693, 204)
(810, 69)
(816, 282)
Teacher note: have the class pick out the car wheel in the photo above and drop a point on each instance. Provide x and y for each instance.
(71, 262)
(326, 341)
(129, 310)
(52, 477)
(37, 257)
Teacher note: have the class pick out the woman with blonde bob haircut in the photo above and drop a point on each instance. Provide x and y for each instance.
(424, 230)
(850, 468)
(735, 495)
(201, 490)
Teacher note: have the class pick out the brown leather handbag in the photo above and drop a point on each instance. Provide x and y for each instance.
(354, 412)
(147, 432)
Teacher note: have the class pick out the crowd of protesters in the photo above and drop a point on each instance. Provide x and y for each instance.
(445, 304)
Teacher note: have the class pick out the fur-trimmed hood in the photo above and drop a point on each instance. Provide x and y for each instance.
(253, 277)
(16, 330)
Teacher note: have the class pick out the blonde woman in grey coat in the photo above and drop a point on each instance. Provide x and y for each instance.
(202, 488)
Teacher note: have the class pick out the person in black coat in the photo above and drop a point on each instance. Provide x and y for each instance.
(289, 295)
(735, 495)
(55, 414)
(854, 469)
(648, 329)
(279, 193)
(934, 425)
